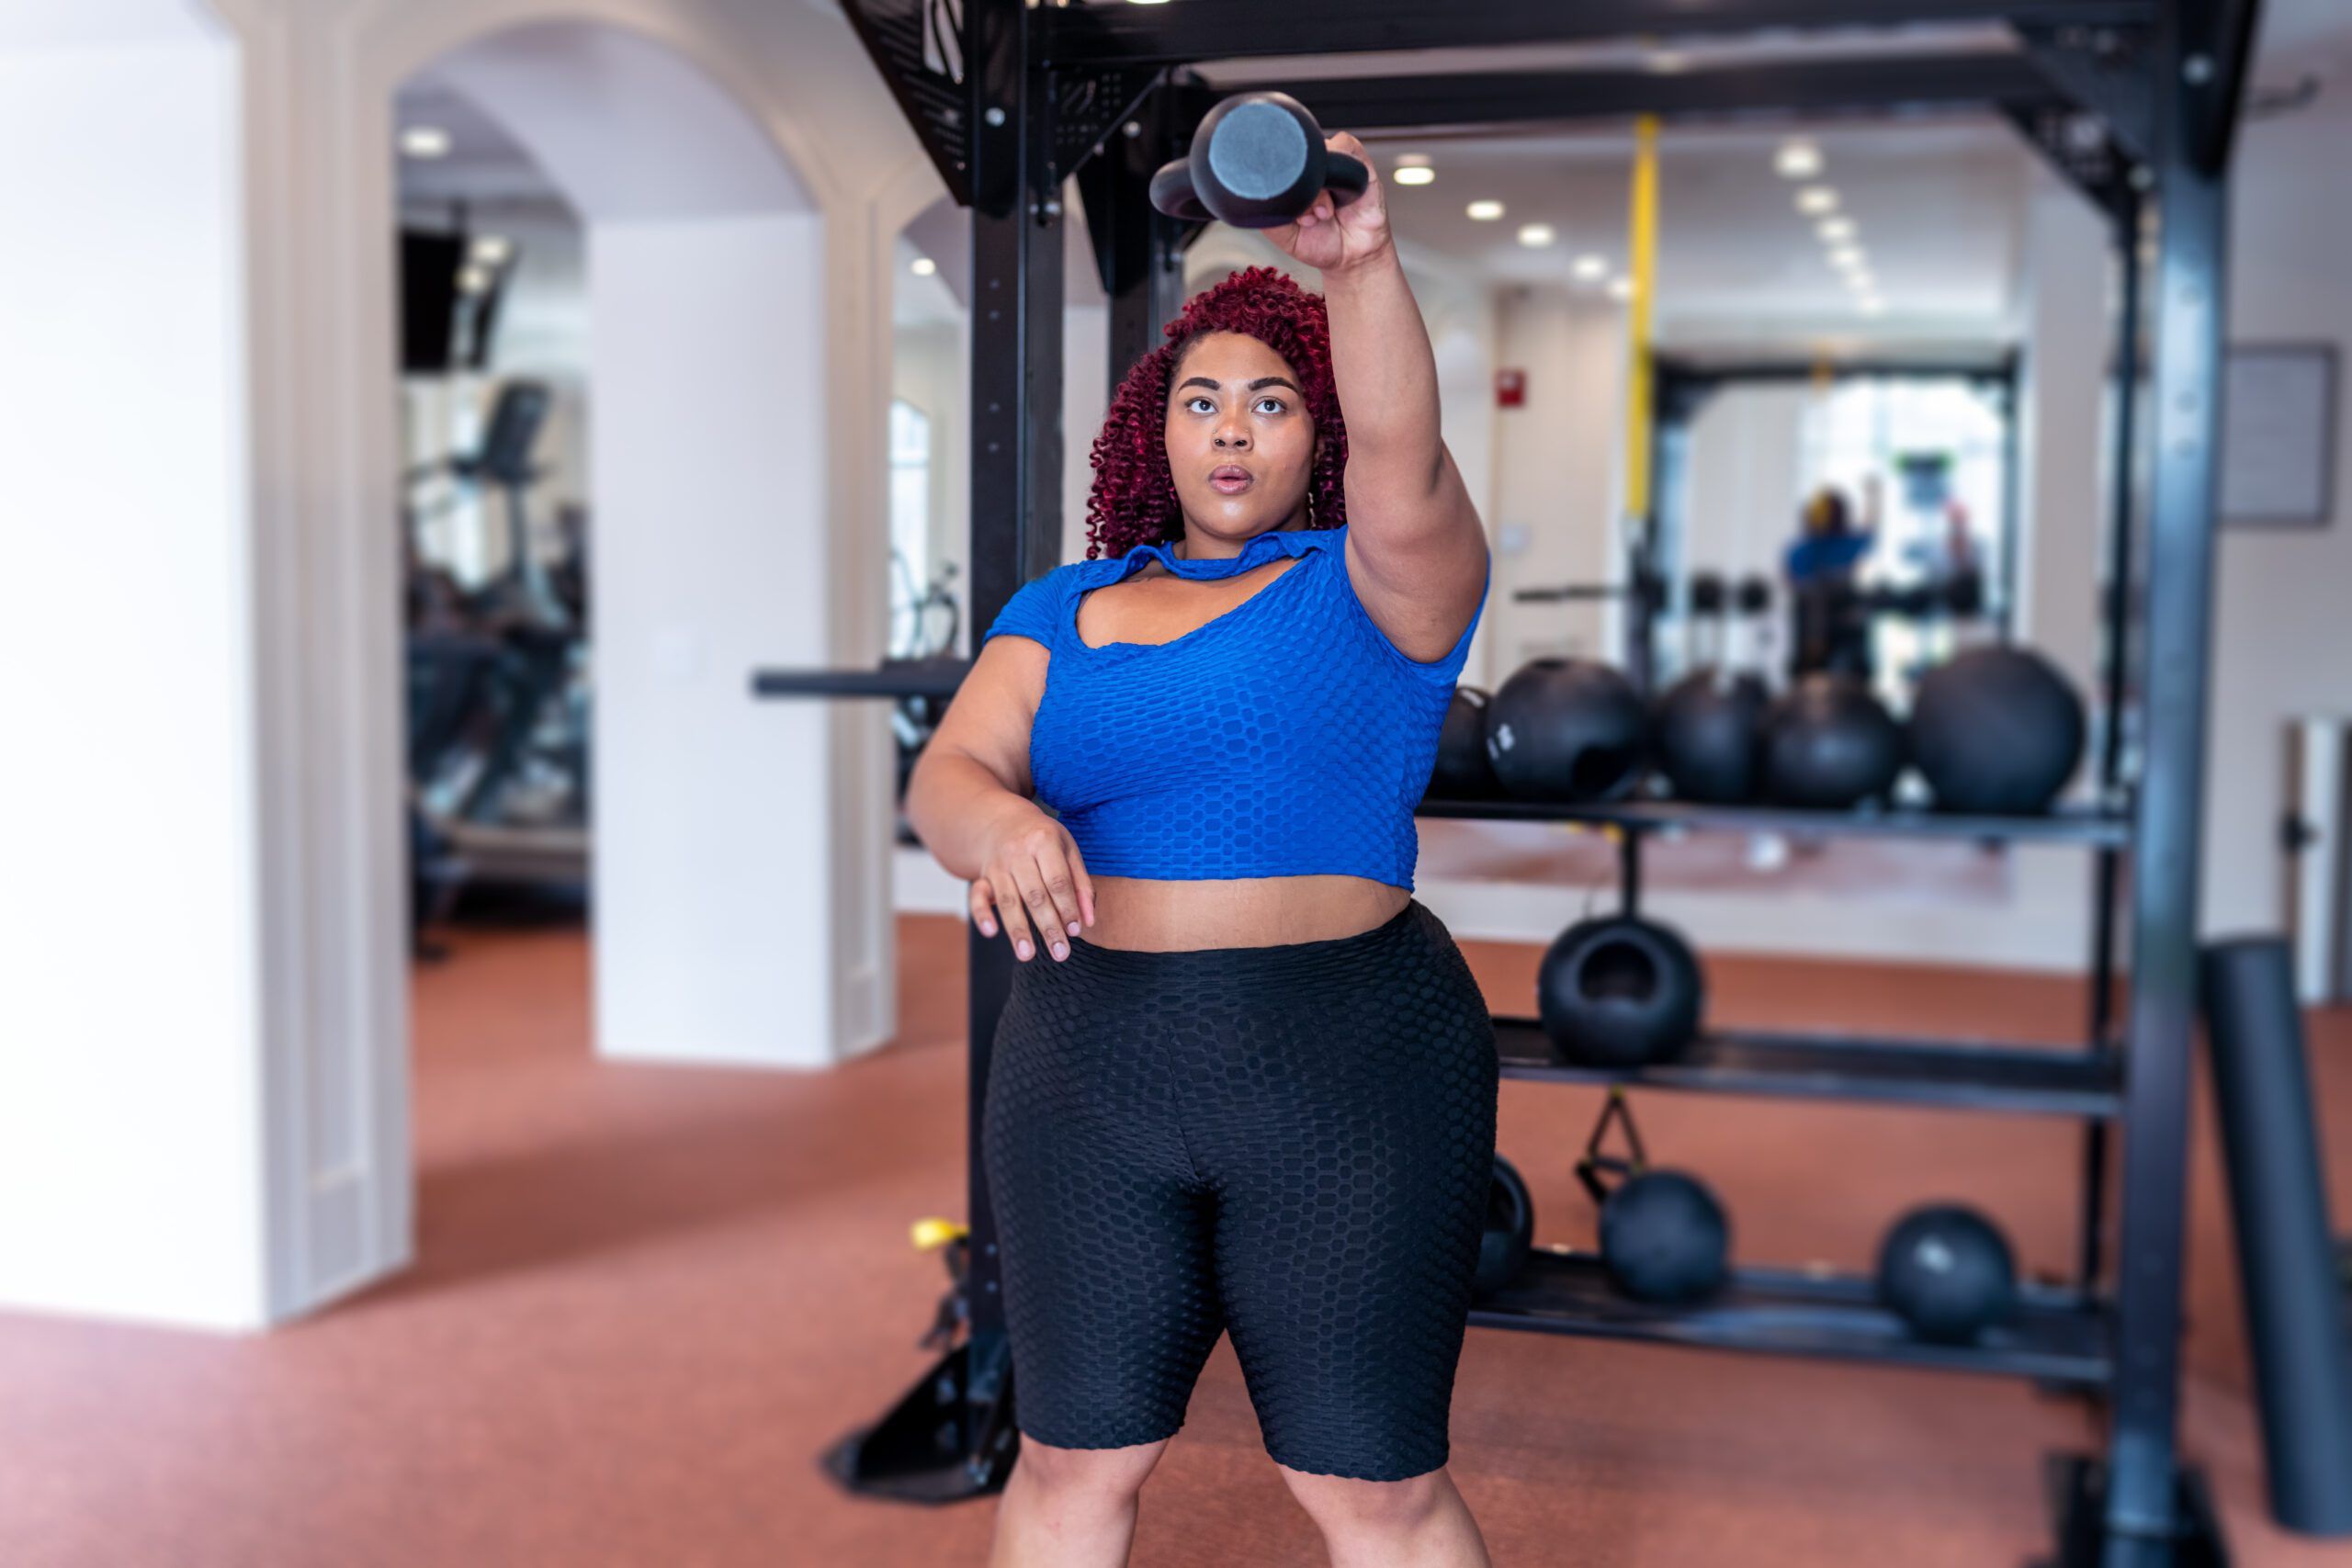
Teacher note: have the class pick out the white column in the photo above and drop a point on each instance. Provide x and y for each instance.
(129, 1085)
(708, 457)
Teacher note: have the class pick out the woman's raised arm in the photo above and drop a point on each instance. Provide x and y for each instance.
(1416, 552)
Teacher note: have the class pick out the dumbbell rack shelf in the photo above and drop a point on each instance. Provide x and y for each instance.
(2093, 827)
(1955, 1075)
(2056, 1335)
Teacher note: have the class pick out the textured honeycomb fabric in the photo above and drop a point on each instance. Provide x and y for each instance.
(1284, 738)
(1294, 1143)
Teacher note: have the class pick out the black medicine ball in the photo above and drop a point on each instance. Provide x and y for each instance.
(1567, 730)
(1619, 992)
(1829, 745)
(1997, 731)
(1664, 1238)
(1947, 1271)
(1510, 1230)
(1707, 736)
(1461, 771)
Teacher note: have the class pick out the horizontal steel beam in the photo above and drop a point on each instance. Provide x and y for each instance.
(896, 678)
(1104, 34)
(1880, 84)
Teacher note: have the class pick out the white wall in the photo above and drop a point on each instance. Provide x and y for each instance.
(2282, 640)
(130, 1163)
(1557, 468)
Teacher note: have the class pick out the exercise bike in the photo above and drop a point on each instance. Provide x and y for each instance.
(498, 763)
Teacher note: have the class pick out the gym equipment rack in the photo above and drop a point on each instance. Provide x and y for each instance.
(2135, 102)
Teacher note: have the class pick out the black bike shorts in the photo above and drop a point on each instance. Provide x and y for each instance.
(1292, 1144)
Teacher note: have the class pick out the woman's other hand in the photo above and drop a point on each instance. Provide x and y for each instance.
(1034, 881)
(1331, 238)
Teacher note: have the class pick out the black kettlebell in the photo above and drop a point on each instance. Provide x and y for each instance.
(1510, 1230)
(1256, 161)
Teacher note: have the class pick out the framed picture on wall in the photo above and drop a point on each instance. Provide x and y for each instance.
(2278, 435)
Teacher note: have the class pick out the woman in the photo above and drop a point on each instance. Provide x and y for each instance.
(1244, 1082)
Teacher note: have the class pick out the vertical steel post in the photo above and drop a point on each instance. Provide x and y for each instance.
(1146, 281)
(2117, 615)
(2189, 303)
(1016, 402)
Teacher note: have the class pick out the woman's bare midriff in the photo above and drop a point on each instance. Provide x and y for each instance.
(1151, 915)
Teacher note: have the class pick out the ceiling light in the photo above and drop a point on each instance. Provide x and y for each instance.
(1485, 211)
(473, 278)
(1536, 236)
(1849, 258)
(425, 141)
(1414, 175)
(1797, 160)
(1620, 289)
(1871, 306)
(1667, 60)
(1835, 230)
(1590, 268)
(923, 266)
(1816, 201)
(1861, 282)
(1147, 2)
(493, 250)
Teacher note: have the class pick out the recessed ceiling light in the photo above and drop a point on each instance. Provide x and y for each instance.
(1847, 258)
(1485, 211)
(1590, 268)
(1861, 282)
(923, 266)
(1536, 236)
(425, 141)
(1797, 160)
(1414, 175)
(1620, 289)
(1147, 2)
(473, 278)
(1816, 201)
(1871, 306)
(1835, 230)
(491, 249)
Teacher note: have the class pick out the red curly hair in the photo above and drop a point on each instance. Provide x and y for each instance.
(1133, 499)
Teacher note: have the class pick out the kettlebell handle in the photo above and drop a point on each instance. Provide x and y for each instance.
(1344, 176)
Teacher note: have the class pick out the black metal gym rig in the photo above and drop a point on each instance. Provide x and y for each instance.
(2135, 102)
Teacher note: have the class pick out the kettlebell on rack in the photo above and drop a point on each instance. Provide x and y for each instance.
(1256, 161)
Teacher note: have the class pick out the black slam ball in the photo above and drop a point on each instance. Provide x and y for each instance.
(1461, 771)
(1947, 1271)
(1829, 745)
(1567, 730)
(1664, 1238)
(1996, 730)
(1510, 1230)
(1619, 992)
(1705, 736)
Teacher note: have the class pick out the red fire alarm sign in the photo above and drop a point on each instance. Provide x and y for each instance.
(1510, 388)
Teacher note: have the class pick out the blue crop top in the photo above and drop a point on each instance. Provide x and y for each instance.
(1287, 736)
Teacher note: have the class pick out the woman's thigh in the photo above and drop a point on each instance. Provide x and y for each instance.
(1349, 1133)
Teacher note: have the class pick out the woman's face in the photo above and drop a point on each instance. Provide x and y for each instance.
(1240, 442)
